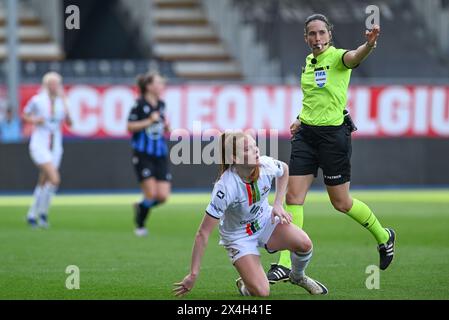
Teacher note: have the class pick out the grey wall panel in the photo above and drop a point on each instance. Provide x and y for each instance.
(106, 165)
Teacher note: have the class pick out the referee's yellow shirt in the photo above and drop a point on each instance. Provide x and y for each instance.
(324, 86)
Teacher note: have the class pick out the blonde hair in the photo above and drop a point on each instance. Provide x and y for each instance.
(229, 142)
(49, 76)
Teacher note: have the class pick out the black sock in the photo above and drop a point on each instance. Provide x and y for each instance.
(142, 214)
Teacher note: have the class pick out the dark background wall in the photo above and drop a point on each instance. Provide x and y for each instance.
(106, 165)
(105, 33)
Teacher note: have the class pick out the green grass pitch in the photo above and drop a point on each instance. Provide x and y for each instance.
(95, 234)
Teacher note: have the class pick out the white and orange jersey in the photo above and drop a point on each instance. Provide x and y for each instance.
(242, 207)
(49, 134)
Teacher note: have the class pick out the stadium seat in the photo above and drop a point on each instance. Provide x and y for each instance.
(35, 42)
(183, 36)
(280, 26)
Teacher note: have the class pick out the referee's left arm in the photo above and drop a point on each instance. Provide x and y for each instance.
(354, 57)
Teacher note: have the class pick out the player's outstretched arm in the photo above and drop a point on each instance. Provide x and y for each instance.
(355, 57)
(281, 190)
(201, 240)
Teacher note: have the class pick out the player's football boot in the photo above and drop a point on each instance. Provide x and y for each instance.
(278, 273)
(312, 286)
(141, 232)
(386, 250)
(43, 221)
(32, 222)
(240, 286)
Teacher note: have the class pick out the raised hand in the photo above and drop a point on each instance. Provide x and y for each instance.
(372, 35)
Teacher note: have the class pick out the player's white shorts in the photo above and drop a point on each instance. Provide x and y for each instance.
(41, 156)
(249, 245)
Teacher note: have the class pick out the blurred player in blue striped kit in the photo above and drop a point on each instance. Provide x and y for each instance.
(148, 124)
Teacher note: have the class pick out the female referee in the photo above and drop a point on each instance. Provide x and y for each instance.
(148, 124)
(46, 111)
(240, 203)
(321, 137)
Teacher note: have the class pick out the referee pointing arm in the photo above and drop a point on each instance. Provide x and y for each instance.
(321, 137)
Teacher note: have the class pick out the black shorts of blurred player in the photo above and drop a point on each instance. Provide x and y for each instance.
(155, 179)
(151, 168)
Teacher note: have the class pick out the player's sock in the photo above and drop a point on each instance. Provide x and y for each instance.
(37, 199)
(300, 260)
(297, 212)
(42, 203)
(144, 209)
(149, 203)
(48, 193)
(361, 213)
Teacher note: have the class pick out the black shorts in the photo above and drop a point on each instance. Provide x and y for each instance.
(151, 167)
(325, 147)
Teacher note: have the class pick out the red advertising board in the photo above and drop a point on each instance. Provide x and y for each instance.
(378, 111)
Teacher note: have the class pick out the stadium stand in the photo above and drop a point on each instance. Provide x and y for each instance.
(96, 71)
(183, 34)
(83, 56)
(36, 42)
(279, 25)
(227, 40)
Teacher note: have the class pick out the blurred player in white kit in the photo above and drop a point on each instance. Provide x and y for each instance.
(47, 111)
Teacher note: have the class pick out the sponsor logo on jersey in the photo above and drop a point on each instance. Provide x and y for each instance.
(332, 177)
(215, 207)
(252, 228)
(220, 194)
(254, 210)
(155, 131)
(265, 190)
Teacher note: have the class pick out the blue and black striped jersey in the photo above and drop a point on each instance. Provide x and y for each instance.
(150, 140)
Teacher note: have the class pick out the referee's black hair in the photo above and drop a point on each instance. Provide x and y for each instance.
(318, 16)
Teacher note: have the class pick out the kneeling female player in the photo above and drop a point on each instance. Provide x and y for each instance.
(240, 202)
